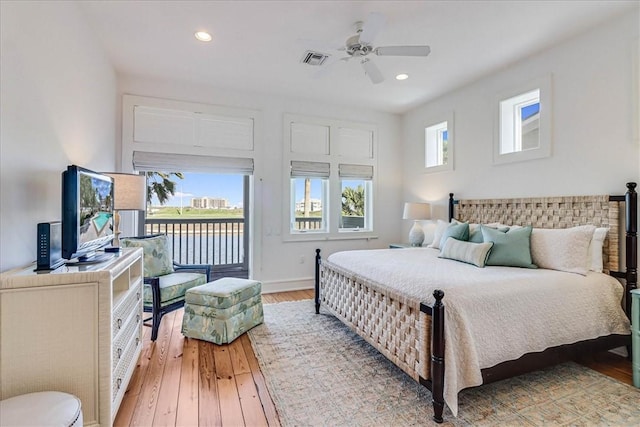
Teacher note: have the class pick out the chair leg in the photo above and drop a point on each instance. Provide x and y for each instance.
(155, 325)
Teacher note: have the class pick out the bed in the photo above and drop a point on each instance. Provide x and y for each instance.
(498, 321)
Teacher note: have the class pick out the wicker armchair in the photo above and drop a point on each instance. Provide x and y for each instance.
(165, 282)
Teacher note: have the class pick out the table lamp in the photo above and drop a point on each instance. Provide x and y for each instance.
(129, 194)
(416, 212)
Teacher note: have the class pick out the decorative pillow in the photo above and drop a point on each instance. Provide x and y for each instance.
(457, 230)
(470, 253)
(562, 249)
(510, 249)
(594, 253)
(437, 235)
(475, 233)
(156, 254)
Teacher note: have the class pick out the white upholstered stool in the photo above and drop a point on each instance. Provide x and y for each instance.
(45, 408)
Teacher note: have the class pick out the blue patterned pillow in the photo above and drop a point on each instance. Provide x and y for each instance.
(157, 254)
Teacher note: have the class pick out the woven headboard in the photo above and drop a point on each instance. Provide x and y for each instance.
(550, 212)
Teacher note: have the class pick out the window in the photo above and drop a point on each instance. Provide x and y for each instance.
(438, 145)
(523, 125)
(331, 186)
(356, 183)
(309, 196)
(520, 122)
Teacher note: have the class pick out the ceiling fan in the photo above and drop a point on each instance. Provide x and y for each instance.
(359, 46)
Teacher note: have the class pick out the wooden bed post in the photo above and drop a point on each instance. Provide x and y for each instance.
(631, 210)
(451, 203)
(317, 296)
(437, 356)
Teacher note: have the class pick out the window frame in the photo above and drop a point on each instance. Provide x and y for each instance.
(361, 151)
(434, 129)
(368, 206)
(324, 198)
(508, 121)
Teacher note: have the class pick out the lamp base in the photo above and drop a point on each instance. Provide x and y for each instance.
(416, 234)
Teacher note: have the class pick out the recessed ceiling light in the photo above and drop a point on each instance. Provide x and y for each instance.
(203, 36)
(402, 76)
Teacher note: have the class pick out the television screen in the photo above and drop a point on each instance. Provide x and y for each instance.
(87, 212)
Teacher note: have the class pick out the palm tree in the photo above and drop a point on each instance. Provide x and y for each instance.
(161, 185)
(353, 201)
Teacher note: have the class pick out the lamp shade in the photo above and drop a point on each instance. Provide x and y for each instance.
(129, 191)
(416, 211)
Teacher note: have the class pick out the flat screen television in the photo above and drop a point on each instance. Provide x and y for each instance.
(87, 214)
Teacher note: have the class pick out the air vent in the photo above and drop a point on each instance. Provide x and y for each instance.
(313, 58)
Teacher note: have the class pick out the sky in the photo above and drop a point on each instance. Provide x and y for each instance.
(223, 186)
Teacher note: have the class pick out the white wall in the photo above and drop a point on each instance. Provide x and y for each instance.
(594, 149)
(277, 263)
(58, 107)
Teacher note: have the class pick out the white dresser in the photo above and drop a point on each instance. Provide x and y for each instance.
(76, 330)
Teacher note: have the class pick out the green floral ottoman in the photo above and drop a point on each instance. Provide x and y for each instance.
(222, 310)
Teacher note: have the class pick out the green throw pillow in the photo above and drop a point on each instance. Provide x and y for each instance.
(467, 252)
(475, 233)
(157, 255)
(510, 249)
(457, 230)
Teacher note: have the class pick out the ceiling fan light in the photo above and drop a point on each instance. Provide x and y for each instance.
(203, 36)
(402, 76)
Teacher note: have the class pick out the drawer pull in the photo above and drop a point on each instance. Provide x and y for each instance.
(119, 353)
(137, 341)
(138, 296)
(119, 383)
(137, 318)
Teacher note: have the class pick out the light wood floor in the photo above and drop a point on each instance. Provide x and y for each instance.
(186, 382)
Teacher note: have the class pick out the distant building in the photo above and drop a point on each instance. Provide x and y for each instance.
(209, 203)
(315, 205)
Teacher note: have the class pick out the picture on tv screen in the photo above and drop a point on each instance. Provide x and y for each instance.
(96, 202)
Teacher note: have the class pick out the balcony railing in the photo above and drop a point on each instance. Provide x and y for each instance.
(218, 241)
(308, 223)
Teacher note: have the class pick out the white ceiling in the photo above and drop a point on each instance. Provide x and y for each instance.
(257, 45)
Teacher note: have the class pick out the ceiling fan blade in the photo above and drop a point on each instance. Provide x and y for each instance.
(370, 29)
(402, 50)
(372, 71)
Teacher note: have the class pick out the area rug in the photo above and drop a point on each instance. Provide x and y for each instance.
(320, 373)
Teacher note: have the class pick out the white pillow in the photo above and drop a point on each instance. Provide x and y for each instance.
(437, 235)
(594, 253)
(562, 249)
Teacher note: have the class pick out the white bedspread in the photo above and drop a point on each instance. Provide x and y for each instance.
(495, 314)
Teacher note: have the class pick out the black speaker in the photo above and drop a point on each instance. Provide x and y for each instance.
(49, 255)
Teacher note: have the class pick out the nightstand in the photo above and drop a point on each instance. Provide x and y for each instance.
(402, 246)
(635, 333)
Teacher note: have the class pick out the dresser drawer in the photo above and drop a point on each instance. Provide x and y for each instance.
(124, 365)
(124, 309)
(128, 330)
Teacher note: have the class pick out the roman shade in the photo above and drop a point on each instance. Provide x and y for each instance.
(149, 161)
(355, 171)
(302, 169)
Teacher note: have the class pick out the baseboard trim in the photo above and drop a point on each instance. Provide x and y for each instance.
(271, 286)
(620, 351)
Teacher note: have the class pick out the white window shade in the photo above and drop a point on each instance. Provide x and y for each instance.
(149, 161)
(355, 171)
(309, 169)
